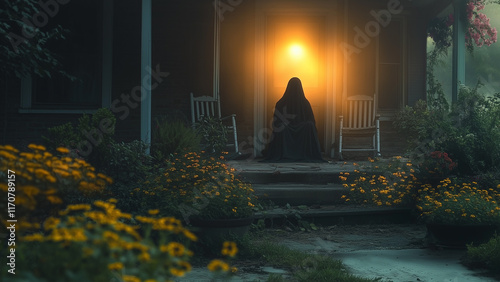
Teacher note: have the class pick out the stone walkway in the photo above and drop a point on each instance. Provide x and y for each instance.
(388, 252)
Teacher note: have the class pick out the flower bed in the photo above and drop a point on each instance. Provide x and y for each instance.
(390, 183)
(192, 185)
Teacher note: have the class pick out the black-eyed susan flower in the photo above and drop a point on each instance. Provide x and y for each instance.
(115, 266)
(218, 265)
(229, 249)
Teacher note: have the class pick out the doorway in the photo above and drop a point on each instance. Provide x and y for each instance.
(296, 47)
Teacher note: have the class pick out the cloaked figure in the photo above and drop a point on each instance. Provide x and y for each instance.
(294, 137)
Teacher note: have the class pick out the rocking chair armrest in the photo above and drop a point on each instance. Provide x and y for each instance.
(230, 116)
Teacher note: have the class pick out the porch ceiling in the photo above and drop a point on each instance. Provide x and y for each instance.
(434, 8)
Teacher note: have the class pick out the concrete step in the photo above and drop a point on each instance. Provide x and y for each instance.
(290, 177)
(300, 194)
(303, 173)
(335, 215)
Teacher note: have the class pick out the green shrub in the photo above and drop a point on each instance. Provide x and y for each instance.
(128, 162)
(129, 165)
(486, 255)
(90, 138)
(170, 137)
(469, 132)
(213, 135)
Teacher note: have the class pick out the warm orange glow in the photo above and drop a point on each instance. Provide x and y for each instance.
(296, 51)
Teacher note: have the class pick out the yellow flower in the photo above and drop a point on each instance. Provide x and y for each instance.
(51, 223)
(9, 148)
(144, 256)
(7, 155)
(229, 249)
(34, 237)
(184, 267)
(54, 199)
(36, 147)
(130, 278)
(177, 272)
(190, 235)
(174, 249)
(218, 265)
(111, 235)
(63, 150)
(154, 212)
(115, 266)
(76, 174)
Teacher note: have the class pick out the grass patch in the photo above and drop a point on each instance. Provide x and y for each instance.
(486, 256)
(303, 266)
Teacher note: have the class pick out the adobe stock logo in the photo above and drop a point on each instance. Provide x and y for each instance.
(40, 19)
(362, 38)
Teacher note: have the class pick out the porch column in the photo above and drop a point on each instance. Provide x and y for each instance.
(145, 75)
(458, 48)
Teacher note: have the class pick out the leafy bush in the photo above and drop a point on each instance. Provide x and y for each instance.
(486, 255)
(213, 135)
(435, 167)
(469, 133)
(44, 181)
(129, 165)
(197, 186)
(128, 162)
(170, 137)
(90, 138)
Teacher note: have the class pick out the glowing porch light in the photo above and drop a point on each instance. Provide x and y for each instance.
(296, 51)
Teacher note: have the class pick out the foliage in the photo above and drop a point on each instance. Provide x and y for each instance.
(305, 266)
(98, 242)
(453, 202)
(129, 165)
(388, 183)
(486, 255)
(423, 126)
(90, 138)
(438, 165)
(23, 48)
(44, 181)
(478, 30)
(468, 133)
(196, 186)
(171, 137)
(128, 162)
(213, 135)
(475, 143)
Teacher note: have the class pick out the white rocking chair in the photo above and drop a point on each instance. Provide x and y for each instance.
(210, 107)
(361, 120)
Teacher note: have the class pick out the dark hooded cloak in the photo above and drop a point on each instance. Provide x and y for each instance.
(294, 137)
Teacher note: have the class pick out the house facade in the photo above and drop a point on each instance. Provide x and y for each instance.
(142, 59)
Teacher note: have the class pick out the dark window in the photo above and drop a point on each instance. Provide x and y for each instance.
(80, 55)
(390, 67)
